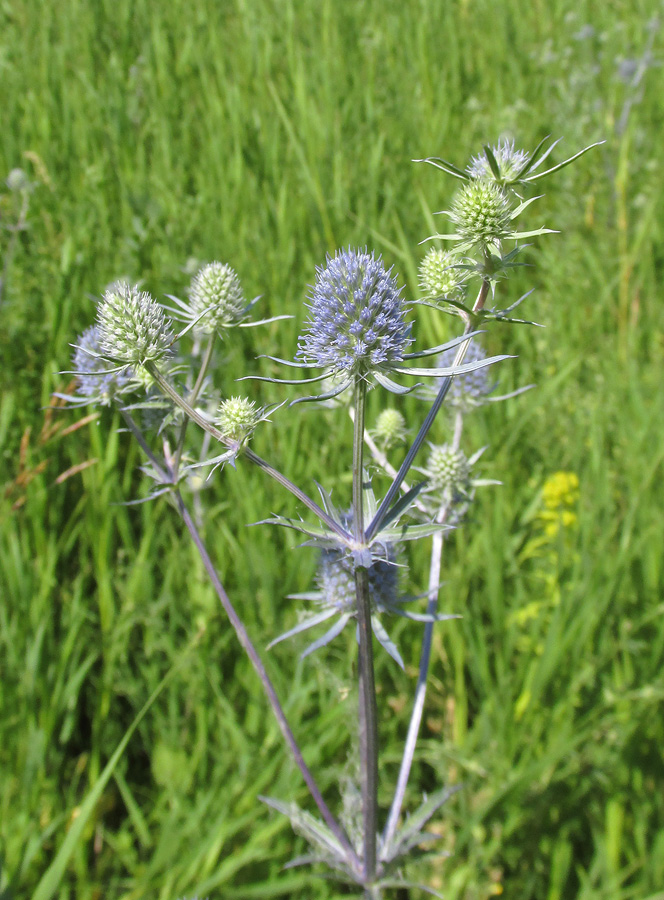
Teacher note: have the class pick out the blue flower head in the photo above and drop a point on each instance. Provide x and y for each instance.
(357, 317)
(95, 382)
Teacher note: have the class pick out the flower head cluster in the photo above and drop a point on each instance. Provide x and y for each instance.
(509, 160)
(95, 382)
(440, 277)
(481, 212)
(216, 298)
(237, 418)
(133, 328)
(357, 316)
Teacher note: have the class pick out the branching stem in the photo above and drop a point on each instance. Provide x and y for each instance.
(167, 388)
(394, 488)
(257, 663)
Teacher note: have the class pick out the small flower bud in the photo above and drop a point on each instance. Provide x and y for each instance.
(237, 418)
(357, 319)
(481, 212)
(17, 181)
(133, 329)
(438, 276)
(217, 289)
(510, 162)
(390, 429)
(448, 472)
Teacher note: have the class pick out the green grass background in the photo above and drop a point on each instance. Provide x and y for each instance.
(266, 134)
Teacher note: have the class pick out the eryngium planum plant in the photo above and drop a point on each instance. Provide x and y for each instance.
(359, 335)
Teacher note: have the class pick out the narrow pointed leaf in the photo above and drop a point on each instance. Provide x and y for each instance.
(448, 167)
(565, 163)
(330, 635)
(456, 370)
(385, 641)
(390, 385)
(402, 504)
(327, 395)
(493, 165)
(303, 626)
(264, 321)
(442, 347)
(522, 206)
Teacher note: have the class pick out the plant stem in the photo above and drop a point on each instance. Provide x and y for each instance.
(394, 488)
(367, 687)
(191, 400)
(257, 663)
(425, 657)
(168, 389)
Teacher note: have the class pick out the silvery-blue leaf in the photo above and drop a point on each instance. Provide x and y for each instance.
(330, 635)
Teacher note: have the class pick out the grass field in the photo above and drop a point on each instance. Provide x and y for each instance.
(266, 134)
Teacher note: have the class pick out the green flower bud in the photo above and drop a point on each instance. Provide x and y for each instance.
(217, 289)
(237, 418)
(438, 276)
(448, 472)
(481, 212)
(390, 429)
(133, 328)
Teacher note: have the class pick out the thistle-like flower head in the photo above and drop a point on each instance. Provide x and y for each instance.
(133, 328)
(450, 486)
(237, 417)
(216, 298)
(336, 581)
(357, 317)
(390, 428)
(95, 382)
(447, 468)
(509, 160)
(439, 276)
(481, 212)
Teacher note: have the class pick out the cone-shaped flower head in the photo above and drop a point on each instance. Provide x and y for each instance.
(237, 418)
(357, 316)
(390, 428)
(481, 212)
(217, 289)
(448, 472)
(438, 276)
(471, 388)
(133, 328)
(94, 379)
(510, 162)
